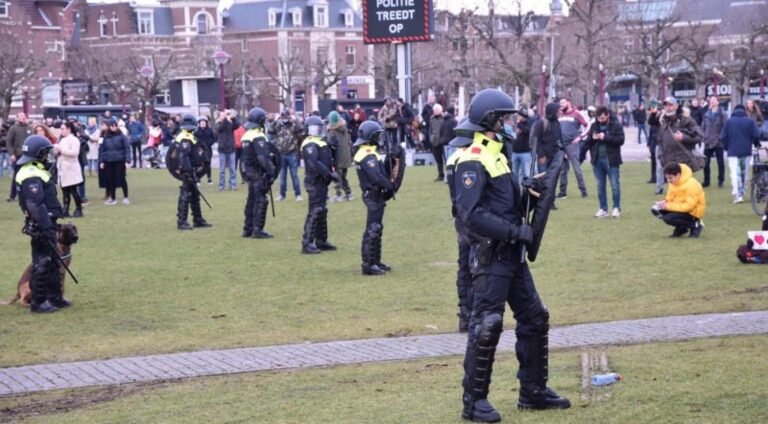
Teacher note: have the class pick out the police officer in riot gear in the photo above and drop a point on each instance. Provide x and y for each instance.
(318, 160)
(41, 207)
(259, 171)
(377, 189)
(462, 140)
(488, 205)
(186, 161)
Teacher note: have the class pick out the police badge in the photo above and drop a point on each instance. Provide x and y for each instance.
(468, 178)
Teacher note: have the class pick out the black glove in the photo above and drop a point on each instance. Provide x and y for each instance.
(521, 234)
(335, 177)
(531, 183)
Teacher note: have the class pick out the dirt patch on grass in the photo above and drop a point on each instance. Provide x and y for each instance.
(43, 404)
(752, 290)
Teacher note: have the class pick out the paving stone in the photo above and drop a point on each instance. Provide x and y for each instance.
(36, 378)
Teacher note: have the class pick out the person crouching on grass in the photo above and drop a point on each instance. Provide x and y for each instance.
(685, 202)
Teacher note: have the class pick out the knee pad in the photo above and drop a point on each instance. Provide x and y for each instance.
(374, 230)
(534, 321)
(489, 329)
(43, 267)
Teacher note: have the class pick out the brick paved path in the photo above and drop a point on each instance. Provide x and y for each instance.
(36, 378)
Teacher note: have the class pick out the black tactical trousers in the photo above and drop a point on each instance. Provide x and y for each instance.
(45, 282)
(491, 295)
(256, 205)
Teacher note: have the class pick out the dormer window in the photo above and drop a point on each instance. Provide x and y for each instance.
(321, 16)
(202, 24)
(272, 18)
(349, 18)
(146, 22)
(102, 24)
(4, 8)
(296, 16)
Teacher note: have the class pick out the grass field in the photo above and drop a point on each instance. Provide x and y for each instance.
(702, 381)
(148, 288)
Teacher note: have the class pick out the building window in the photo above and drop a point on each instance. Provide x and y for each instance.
(350, 53)
(322, 55)
(243, 45)
(102, 25)
(146, 24)
(349, 19)
(202, 23)
(4, 9)
(296, 14)
(272, 18)
(321, 16)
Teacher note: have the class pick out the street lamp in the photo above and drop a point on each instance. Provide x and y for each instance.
(25, 100)
(122, 96)
(601, 89)
(663, 83)
(147, 72)
(542, 90)
(221, 58)
(762, 84)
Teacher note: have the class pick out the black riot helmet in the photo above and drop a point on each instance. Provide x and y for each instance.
(462, 137)
(369, 132)
(188, 122)
(486, 109)
(35, 148)
(256, 118)
(314, 125)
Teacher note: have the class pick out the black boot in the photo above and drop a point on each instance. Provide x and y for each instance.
(78, 213)
(182, 210)
(369, 266)
(478, 367)
(310, 230)
(377, 250)
(679, 231)
(38, 283)
(464, 314)
(697, 228)
(321, 232)
(197, 214)
(260, 219)
(534, 393)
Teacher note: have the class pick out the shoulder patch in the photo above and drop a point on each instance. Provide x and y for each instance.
(468, 178)
(476, 150)
(371, 163)
(310, 150)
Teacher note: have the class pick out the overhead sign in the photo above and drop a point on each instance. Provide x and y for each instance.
(396, 21)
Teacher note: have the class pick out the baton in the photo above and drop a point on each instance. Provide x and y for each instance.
(194, 184)
(271, 201)
(61, 261)
(527, 220)
(391, 168)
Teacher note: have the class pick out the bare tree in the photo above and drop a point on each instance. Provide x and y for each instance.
(587, 36)
(696, 51)
(281, 75)
(17, 65)
(741, 59)
(657, 38)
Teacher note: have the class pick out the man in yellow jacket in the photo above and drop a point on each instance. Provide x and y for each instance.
(685, 202)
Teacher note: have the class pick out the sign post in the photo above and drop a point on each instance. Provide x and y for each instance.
(400, 22)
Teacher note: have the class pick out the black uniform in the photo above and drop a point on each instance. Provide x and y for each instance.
(318, 160)
(488, 205)
(463, 275)
(41, 207)
(191, 160)
(377, 189)
(260, 173)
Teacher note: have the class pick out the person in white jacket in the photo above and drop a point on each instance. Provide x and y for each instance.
(68, 165)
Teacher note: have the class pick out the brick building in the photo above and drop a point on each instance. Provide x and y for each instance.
(290, 52)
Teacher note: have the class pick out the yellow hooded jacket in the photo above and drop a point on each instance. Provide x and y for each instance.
(686, 195)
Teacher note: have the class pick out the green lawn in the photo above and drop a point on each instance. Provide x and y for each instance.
(703, 381)
(148, 288)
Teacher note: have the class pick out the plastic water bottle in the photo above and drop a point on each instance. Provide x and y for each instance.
(605, 379)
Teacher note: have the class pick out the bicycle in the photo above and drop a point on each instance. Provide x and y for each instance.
(758, 188)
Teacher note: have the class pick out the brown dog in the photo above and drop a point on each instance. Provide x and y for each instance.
(66, 236)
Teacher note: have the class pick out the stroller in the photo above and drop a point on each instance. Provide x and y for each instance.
(155, 156)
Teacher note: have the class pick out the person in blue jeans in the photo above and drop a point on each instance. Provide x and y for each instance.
(521, 147)
(226, 124)
(287, 132)
(604, 141)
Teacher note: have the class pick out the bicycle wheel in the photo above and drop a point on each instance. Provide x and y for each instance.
(758, 193)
